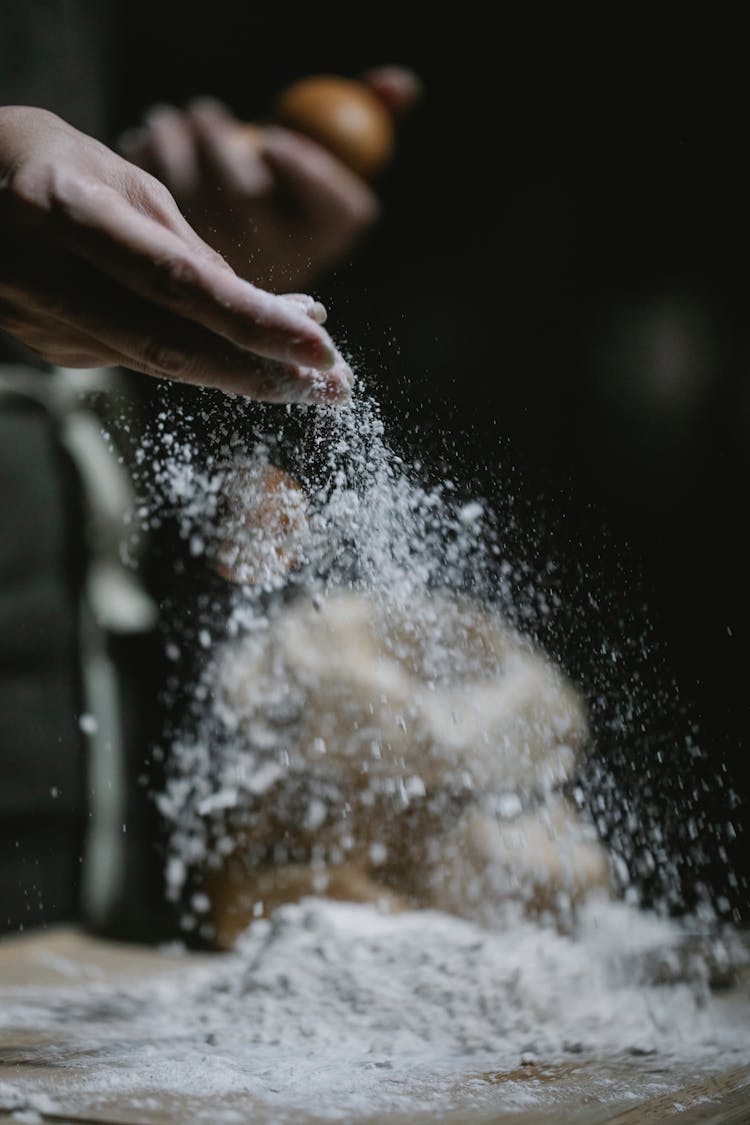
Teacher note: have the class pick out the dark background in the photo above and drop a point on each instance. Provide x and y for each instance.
(555, 301)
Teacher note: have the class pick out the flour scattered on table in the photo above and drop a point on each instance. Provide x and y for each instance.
(339, 1010)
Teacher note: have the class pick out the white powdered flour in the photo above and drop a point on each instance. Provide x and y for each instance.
(338, 1010)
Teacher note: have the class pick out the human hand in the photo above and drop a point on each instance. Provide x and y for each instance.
(98, 267)
(280, 208)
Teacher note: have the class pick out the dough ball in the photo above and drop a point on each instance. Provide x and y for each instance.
(444, 690)
(546, 860)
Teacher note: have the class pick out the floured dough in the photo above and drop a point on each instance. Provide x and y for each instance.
(409, 753)
(371, 693)
(545, 860)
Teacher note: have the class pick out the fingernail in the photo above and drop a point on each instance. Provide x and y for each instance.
(314, 309)
(318, 312)
(329, 355)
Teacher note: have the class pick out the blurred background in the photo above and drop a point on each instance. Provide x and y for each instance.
(554, 307)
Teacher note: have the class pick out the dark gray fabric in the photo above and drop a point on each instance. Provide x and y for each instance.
(55, 54)
(40, 866)
(40, 744)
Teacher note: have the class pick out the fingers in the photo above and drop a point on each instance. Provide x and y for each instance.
(230, 152)
(90, 321)
(313, 308)
(166, 147)
(278, 206)
(397, 87)
(203, 144)
(159, 265)
(320, 185)
(279, 383)
(99, 266)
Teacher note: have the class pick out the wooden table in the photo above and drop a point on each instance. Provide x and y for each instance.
(43, 1072)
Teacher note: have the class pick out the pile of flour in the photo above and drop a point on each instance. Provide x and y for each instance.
(339, 1010)
(422, 984)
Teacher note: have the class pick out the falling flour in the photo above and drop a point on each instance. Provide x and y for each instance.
(311, 507)
(342, 1009)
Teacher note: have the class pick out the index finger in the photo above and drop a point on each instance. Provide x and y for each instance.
(319, 183)
(230, 150)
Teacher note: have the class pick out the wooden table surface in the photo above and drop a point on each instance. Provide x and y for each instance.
(36, 1085)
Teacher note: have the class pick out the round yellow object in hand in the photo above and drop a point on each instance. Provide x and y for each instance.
(342, 115)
